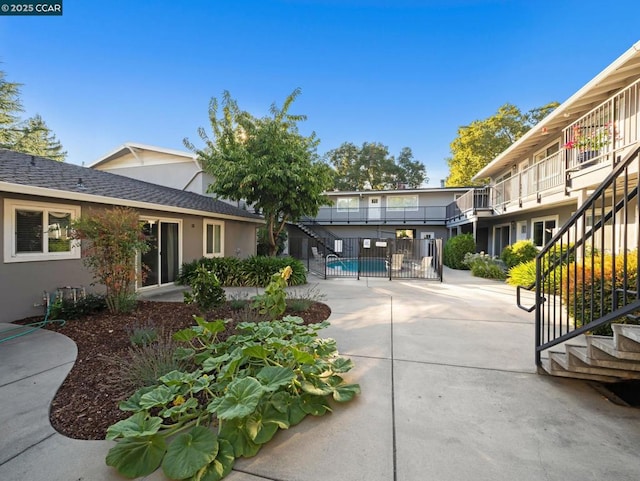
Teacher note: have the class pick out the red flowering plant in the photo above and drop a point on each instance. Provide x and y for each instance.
(591, 140)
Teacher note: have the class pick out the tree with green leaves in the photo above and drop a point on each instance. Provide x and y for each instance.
(32, 136)
(480, 142)
(265, 161)
(372, 167)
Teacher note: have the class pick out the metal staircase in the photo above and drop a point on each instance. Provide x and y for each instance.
(587, 282)
(324, 237)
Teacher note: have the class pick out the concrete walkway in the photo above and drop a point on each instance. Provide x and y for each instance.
(449, 392)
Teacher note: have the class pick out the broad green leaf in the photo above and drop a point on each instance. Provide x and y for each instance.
(314, 405)
(346, 392)
(258, 430)
(133, 403)
(281, 401)
(293, 320)
(159, 396)
(184, 353)
(137, 457)
(213, 405)
(255, 351)
(264, 332)
(137, 425)
(241, 398)
(273, 377)
(342, 364)
(213, 327)
(185, 334)
(173, 378)
(317, 387)
(221, 466)
(234, 432)
(272, 415)
(326, 348)
(302, 357)
(201, 383)
(190, 452)
(212, 363)
(190, 403)
(296, 412)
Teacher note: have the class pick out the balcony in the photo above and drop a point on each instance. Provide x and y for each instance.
(469, 203)
(380, 215)
(605, 132)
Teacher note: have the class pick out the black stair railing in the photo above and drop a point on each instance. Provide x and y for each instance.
(587, 274)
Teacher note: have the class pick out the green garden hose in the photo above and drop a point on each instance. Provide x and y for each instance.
(34, 325)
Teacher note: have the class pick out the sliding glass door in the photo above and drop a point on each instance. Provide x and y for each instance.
(162, 261)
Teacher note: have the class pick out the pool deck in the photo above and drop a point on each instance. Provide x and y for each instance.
(449, 393)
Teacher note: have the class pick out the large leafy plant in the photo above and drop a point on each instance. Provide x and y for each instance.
(268, 376)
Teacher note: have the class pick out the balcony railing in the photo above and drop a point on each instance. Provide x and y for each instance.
(607, 130)
(381, 215)
(470, 201)
(545, 175)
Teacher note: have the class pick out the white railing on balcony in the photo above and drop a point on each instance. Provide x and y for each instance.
(605, 131)
(545, 175)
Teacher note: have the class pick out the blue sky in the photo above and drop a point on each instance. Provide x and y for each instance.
(403, 73)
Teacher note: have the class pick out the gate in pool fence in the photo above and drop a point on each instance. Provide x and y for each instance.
(368, 257)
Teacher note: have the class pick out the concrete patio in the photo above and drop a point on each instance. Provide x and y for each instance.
(449, 392)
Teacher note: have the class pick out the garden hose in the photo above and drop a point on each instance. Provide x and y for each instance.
(34, 325)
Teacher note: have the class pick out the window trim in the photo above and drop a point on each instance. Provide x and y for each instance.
(205, 224)
(544, 219)
(403, 209)
(10, 223)
(349, 208)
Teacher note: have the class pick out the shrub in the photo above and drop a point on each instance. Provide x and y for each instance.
(206, 291)
(112, 240)
(67, 309)
(523, 274)
(255, 271)
(590, 293)
(521, 251)
(455, 250)
(483, 265)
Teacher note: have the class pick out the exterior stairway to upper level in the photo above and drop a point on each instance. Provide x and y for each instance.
(602, 358)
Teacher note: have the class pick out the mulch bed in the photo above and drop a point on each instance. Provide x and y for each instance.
(87, 402)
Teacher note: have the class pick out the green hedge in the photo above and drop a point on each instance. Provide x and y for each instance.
(456, 248)
(255, 271)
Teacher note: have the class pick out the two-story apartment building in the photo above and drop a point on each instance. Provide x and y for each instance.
(544, 177)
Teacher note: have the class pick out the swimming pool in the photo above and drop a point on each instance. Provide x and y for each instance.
(351, 265)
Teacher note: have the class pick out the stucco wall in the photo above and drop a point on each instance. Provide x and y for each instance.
(22, 283)
(176, 175)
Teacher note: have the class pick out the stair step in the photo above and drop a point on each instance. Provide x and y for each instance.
(627, 332)
(605, 362)
(606, 344)
(555, 368)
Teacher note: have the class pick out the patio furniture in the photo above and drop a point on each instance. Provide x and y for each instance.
(396, 262)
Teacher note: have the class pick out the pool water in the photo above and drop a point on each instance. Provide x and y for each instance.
(351, 265)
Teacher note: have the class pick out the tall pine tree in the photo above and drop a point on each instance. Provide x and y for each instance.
(32, 136)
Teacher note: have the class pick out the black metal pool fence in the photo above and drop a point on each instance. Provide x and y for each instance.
(368, 257)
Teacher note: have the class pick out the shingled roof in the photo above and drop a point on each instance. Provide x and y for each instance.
(78, 182)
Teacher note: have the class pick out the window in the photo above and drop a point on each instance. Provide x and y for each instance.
(546, 152)
(405, 234)
(213, 238)
(543, 230)
(39, 231)
(402, 202)
(348, 204)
